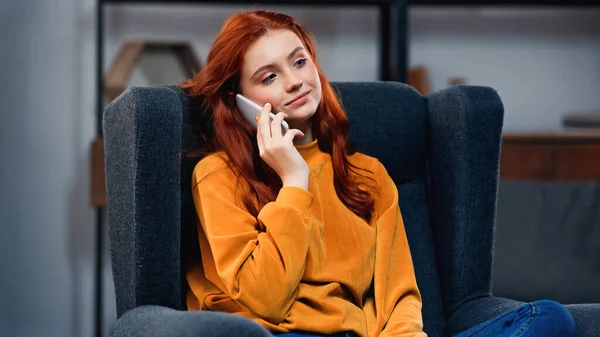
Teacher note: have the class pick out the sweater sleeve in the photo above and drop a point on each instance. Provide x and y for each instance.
(260, 260)
(397, 297)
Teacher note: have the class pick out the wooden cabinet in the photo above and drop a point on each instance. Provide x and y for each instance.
(564, 156)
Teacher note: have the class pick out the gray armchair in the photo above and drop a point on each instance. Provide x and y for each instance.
(442, 150)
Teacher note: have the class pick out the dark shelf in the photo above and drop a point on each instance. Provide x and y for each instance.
(558, 3)
(502, 3)
(260, 2)
(393, 60)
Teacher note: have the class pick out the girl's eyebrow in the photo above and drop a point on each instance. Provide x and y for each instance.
(271, 65)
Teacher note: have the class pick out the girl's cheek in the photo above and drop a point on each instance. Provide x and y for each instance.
(274, 100)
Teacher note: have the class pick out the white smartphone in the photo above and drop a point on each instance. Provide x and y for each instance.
(250, 110)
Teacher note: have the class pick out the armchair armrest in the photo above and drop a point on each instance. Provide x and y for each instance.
(156, 321)
(476, 311)
(587, 318)
(471, 313)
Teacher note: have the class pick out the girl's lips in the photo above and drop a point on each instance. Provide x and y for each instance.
(299, 99)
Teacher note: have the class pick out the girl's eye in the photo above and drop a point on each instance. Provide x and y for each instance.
(268, 79)
(300, 62)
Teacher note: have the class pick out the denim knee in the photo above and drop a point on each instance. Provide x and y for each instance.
(555, 317)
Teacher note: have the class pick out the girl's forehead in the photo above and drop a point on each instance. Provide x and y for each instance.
(274, 46)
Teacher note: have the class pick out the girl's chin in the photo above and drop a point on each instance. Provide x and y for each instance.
(300, 114)
(298, 120)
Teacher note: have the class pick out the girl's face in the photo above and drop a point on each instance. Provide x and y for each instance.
(278, 70)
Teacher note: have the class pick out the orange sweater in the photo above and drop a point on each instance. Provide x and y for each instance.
(306, 262)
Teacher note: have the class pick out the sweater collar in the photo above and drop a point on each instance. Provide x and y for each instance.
(308, 150)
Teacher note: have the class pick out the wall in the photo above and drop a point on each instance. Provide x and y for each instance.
(47, 116)
(46, 225)
(543, 62)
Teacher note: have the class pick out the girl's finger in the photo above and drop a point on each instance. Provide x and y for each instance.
(265, 118)
(265, 128)
(293, 133)
(276, 126)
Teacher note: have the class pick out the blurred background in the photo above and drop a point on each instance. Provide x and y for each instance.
(543, 60)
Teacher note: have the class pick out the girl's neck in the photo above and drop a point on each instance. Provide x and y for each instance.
(308, 136)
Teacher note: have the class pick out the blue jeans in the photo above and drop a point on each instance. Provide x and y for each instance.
(541, 318)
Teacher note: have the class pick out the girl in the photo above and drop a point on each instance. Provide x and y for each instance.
(297, 232)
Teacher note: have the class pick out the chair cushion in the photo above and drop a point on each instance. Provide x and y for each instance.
(388, 121)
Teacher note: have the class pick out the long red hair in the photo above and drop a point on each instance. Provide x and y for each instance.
(215, 86)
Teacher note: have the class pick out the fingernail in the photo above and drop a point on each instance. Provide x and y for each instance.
(256, 118)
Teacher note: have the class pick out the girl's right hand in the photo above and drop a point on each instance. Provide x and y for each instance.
(278, 151)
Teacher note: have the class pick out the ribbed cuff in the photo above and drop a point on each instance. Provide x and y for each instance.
(297, 198)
